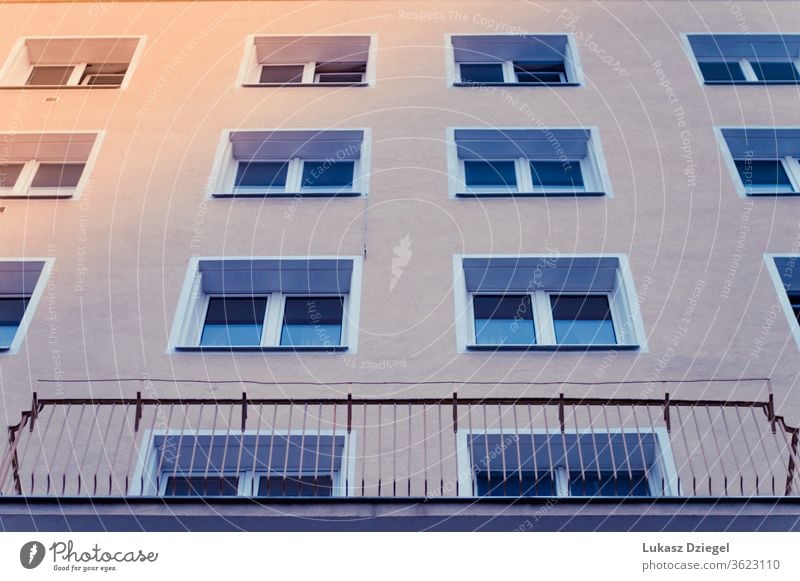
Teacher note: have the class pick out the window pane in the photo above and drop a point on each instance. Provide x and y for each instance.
(504, 320)
(328, 174)
(9, 174)
(340, 72)
(11, 312)
(261, 174)
(283, 74)
(493, 484)
(109, 74)
(582, 320)
(557, 174)
(202, 486)
(57, 175)
(590, 483)
(775, 71)
(721, 71)
(312, 321)
(794, 300)
(294, 485)
(540, 72)
(42, 75)
(234, 321)
(490, 173)
(763, 174)
(482, 73)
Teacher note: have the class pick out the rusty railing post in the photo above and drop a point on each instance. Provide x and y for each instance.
(667, 419)
(244, 410)
(138, 416)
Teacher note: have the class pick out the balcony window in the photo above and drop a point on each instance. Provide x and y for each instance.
(766, 161)
(527, 162)
(725, 59)
(325, 163)
(20, 286)
(523, 60)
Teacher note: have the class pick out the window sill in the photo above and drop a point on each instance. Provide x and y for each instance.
(287, 85)
(260, 348)
(289, 195)
(59, 87)
(554, 194)
(516, 85)
(36, 196)
(772, 194)
(598, 347)
(758, 83)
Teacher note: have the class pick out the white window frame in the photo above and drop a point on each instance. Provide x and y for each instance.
(190, 317)
(223, 174)
(146, 471)
(783, 296)
(33, 301)
(594, 169)
(623, 307)
(510, 75)
(664, 468)
(250, 69)
(17, 68)
(572, 64)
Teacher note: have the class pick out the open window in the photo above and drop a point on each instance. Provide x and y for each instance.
(614, 463)
(285, 61)
(45, 165)
(765, 161)
(525, 60)
(21, 282)
(71, 62)
(756, 59)
(527, 162)
(289, 163)
(269, 305)
(547, 303)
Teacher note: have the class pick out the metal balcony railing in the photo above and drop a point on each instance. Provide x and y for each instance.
(352, 447)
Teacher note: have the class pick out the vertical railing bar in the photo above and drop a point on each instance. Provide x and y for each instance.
(717, 447)
(181, 435)
(533, 453)
(502, 450)
(211, 448)
(195, 443)
(343, 466)
(548, 439)
(255, 468)
(394, 449)
(364, 453)
(596, 452)
(702, 447)
(10, 458)
(455, 442)
(729, 443)
(286, 454)
(60, 440)
(380, 447)
(151, 449)
(487, 459)
(519, 454)
(689, 454)
(21, 458)
(319, 444)
(611, 447)
(761, 441)
(74, 447)
(792, 467)
(241, 480)
(348, 444)
(115, 456)
(441, 451)
(303, 425)
(103, 439)
(657, 453)
(93, 424)
(272, 446)
(667, 419)
(749, 460)
(408, 474)
(562, 431)
(425, 448)
(473, 467)
(138, 417)
(579, 445)
(641, 444)
(625, 442)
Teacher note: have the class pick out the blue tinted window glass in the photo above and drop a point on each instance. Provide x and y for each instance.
(590, 483)
(202, 486)
(775, 70)
(559, 174)
(261, 174)
(328, 174)
(526, 483)
(503, 320)
(296, 485)
(234, 321)
(763, 173)
(582, 320)
(482, 73)
(283, 74)
(12, 309)
(721, 71)
(312, 321)
(490, 173)
(540, 72)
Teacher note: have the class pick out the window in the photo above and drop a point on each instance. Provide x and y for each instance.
(309, 61)
(217, 463)
(291, 163)
(527, 162)
(766, 161)
(547, 303)
(91, 62)
(725, 59)
(44, 165)
(529, 60)
(786, 274)
(269, 305)
(615, 463)
(19, 284)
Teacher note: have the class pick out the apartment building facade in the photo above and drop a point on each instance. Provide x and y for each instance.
(399, 265)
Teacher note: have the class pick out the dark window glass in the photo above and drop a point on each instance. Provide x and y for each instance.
(57, 175)
(44, 75)
(328, 174)
(482, 73)
(775, 70)
(760, 174)
(296, 485)
(234, 321)
(503, 320)
(490, 173)
(721, 71)
(340, 72)
(794, 300)
(104, 74)
(312, 321)
(557, 174)
(540, 72)
(202, 486)
(590, 483)
(261, 174)
(282, 74)
(12, 309)
(492, 483)
(9, 174)
(582, 320)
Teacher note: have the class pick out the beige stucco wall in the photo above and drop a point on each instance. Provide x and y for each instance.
(145, 212)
